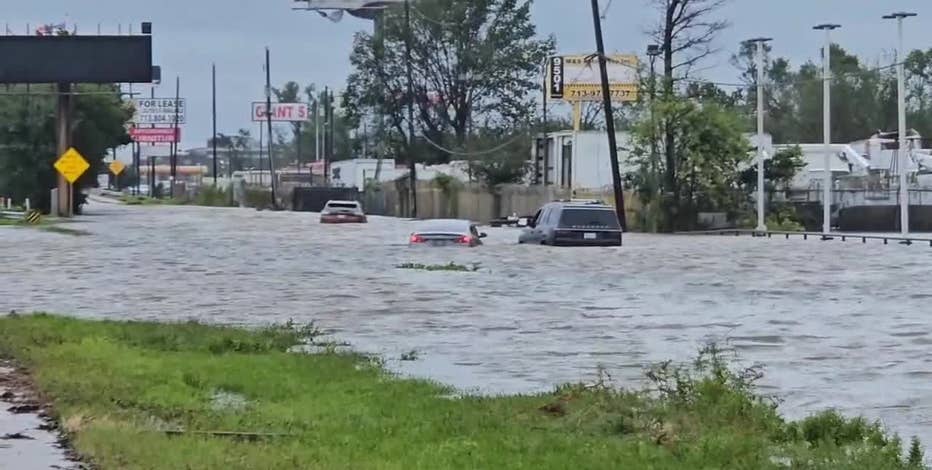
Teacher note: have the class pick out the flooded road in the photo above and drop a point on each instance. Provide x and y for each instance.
(841, 325)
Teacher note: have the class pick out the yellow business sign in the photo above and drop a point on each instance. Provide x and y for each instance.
(117, 167)
(71, 165)
(576, 78)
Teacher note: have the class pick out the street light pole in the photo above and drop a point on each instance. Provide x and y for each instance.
(902, 155)
(827, 127)
(761, 224)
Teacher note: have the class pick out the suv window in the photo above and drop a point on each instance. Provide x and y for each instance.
(589, 218)
(544, 219)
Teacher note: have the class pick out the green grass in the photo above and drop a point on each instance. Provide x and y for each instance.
(118, 386)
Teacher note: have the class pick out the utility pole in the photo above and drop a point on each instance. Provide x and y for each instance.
(174, 146)
(412, 165)
(326, 140)
(317, 128)
(609, 118)
(653, 51)
(902, 151)
(761, 223)
(213, 76)
(827, 127)
(268, 122)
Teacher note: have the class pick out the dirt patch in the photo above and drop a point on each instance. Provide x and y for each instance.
(29, 435)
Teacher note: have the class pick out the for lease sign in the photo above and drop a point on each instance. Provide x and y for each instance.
(158, 110)
(281, 112)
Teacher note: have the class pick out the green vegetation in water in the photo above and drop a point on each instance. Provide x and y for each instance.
(440, 267)
(65, 231)
(157, 396)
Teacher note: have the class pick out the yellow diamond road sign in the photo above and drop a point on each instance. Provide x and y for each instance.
(117, 167)
(72, 165)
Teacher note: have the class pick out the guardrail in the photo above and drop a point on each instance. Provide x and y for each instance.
(815, 235)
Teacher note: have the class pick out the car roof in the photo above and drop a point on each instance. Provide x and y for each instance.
(445, 225)
(580, 205)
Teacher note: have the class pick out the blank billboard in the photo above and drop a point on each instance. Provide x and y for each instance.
(75, 59)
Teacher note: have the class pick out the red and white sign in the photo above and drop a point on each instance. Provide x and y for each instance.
(155, 135)
(281, 112)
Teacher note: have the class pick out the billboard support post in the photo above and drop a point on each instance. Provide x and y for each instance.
(63, 125)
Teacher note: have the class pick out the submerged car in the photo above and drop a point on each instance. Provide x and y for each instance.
(342, 212)
(447, 232)
(573, 223)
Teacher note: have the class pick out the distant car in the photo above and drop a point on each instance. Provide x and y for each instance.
(342, 212)
(573, 223)
(447, 232)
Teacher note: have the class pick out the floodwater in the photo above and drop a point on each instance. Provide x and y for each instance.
(842, 325)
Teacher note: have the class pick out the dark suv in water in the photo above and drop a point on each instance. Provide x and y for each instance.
(573, 223)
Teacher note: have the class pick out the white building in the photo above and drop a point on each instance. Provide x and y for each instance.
(358, 172)
(581, 160)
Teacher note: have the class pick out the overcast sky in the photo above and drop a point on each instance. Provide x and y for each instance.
(191, 34)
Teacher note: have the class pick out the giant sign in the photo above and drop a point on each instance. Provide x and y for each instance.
(158, 111)
(75, 59)
(281, 112)
(577, 78)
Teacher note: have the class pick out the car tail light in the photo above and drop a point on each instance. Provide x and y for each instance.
(417, 239)
(465, 240)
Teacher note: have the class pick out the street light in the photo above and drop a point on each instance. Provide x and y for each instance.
(827, 127)
(903, 160)
(761, 225)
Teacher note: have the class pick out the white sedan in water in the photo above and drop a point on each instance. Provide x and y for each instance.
(447, 232)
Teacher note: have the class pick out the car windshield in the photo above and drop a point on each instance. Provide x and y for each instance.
(444, 226)
(603, 218)
(342, 205)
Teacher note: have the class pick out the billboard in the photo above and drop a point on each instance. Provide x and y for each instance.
(346, 4)
(76, 59)
(281, 112)
(158, 111)
(367, 9)
(155, 135)
(577, 78)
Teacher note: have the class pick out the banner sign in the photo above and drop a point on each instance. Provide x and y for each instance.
(155, 135)
(281, 112)
(158, 111)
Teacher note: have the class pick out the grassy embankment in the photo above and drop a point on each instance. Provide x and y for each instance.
(46, 224)
(119, 387)
(206, 196)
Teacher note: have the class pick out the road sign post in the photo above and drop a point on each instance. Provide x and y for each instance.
(71, 165)
(117, 167)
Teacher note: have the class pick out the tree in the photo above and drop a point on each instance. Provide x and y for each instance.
(779, 170)
(863, 97)
(28, 140)
(685, 34)
(711, 151)
(476, 64)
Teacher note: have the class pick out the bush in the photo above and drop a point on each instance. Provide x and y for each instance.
(214, 196)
